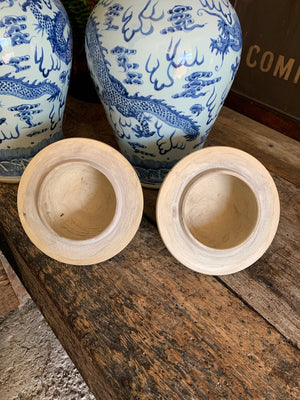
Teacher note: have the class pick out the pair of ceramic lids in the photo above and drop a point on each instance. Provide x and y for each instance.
(81, 202)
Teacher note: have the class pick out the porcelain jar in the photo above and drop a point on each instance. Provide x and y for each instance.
(162, 70)
(35, 64)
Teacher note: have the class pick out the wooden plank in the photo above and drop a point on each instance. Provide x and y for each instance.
(8, 298)
(264, 283)
(142, 326)
(266, 84)
(279, 153)
(272, 285)
(15, 282)
(274, 119)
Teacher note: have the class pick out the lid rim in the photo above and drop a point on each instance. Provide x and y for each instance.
(120, 174)
(192, 253)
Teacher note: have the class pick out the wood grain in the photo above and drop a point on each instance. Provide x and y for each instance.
(261, 113)
(8, 298)
(272, 285)
(279, 153)
(142, 326)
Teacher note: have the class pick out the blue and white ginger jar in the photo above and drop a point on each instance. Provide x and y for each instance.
(162, 70)
(35, 64)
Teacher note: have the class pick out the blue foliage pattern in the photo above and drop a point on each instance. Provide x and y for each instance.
(20, 87)
(182, 86)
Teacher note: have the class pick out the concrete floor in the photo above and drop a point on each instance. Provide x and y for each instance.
(33, 364)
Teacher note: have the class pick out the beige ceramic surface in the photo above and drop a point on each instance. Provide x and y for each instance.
(10, 180)
(218, 210)
(80, 201)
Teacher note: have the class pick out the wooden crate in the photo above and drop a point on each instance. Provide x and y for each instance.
(266, 86)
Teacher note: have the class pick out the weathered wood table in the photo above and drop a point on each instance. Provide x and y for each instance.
(142, 326)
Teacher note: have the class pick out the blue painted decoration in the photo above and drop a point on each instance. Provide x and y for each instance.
(35, 64)
(162, 70)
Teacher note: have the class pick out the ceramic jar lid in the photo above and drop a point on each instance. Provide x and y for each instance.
(218, 210)
(80, 202)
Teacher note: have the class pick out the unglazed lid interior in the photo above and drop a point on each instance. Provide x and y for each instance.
(77, 201)
(219, 209)
(80, 201)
